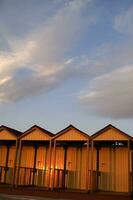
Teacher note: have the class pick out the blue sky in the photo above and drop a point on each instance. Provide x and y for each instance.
(66, 62)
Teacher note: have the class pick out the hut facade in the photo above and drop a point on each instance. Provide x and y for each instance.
(8, 153)
(33, 162)
(110, 169)
(70, 159)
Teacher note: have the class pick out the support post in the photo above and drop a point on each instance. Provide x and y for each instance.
(49, 167)
(87, 165)
(91, 182)
(15, 162)
(132, 174)
(6, 164)
(34, 165)
(97, 167)
(65, 159)
(54, 160)
(19, 160)
(129, 177)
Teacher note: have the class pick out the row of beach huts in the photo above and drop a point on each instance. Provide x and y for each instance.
(70, 159)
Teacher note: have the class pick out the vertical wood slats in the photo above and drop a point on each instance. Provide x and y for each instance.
(119, 158)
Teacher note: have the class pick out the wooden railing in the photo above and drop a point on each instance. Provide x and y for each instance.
(6, 175)
(33, 177)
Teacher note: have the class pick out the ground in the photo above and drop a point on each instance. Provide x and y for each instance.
(34, 194)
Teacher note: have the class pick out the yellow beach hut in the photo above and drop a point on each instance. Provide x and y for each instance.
(34, 157)
(8, 152)
(69, 161)
(111, 169)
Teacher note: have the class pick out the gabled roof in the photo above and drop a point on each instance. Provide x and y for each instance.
(11, 130)
(38, 127)
(69, 128)
(106, 128)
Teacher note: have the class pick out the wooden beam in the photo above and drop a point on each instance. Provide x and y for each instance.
(97, 167)
(6, 163)
(131, 173)
(15, 162)
(18, 163)
(65, 160)
(129, 176)
(54, 160)
(49, 166)
(87, 165)
(91, 175)
(34, 165)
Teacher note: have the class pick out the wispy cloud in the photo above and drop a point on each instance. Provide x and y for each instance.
(110, 92)
(123, 22)
(111, 95)
(43, 52)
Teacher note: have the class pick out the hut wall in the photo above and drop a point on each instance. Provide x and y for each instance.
(42, 165)
(111, 134)
(5, 135)
(121, 170)
(76, 166)
(83, 165)
(113, 167)
(105, 168)
(27, 157)
(3, 150)
(11, 157)
(72, 135)
(36, 135)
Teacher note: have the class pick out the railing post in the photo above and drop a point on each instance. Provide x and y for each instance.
(129, 176)
(18, 167)
(15, 162)
(49, 167)
(34, 165)
(87, 165)
(64, 171)
(54, 160)
(97, 168)
(6, 164)
(91, 182)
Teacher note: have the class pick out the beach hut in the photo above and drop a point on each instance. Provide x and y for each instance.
(110, 170)
(34, 158)
(69, 161)
(8, 152)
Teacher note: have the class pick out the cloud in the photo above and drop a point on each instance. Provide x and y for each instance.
(110, 92)
(111, 95)
(123, 22)
(42, 52)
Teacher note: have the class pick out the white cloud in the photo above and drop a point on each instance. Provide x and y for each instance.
(111, 95)
(43, 52)
(124, 22)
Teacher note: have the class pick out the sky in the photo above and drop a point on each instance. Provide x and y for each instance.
(66, 62)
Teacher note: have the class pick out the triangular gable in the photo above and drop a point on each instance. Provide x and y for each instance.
(36, 133)
(6, 135)
(110, 133)
(71, 134)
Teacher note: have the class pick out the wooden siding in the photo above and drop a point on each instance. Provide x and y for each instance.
(42, 158)
(59, 163)
(72, 135)
(6, 135)
(121, 170)
(11, 158)
(111, 134)
(27, 157)
(113, 168)
(105, 168)
(3, 150)
(36, 135)
(82, 169)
